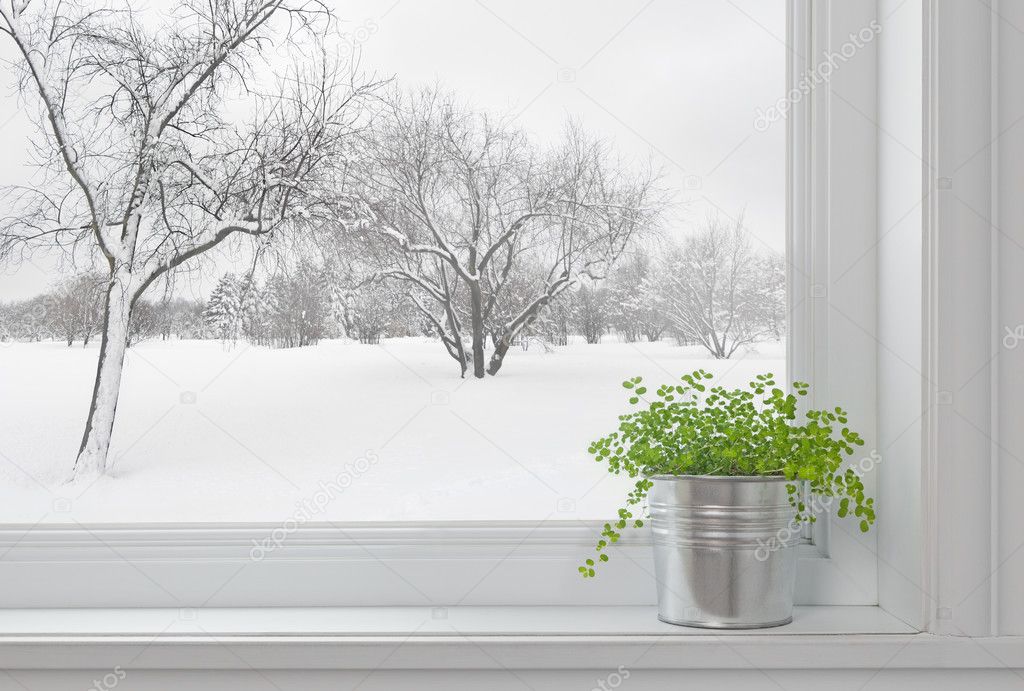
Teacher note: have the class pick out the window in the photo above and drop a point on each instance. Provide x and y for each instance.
(535, 194)
(283, 460)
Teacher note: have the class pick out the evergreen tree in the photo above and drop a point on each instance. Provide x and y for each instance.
(254, 311)
(223, 313)
(636, 308)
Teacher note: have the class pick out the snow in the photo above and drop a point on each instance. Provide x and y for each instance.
(335, 432)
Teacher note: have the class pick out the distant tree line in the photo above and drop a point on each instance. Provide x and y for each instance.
(288, 310)
(712, 289)
(300, 306)
(72, 311)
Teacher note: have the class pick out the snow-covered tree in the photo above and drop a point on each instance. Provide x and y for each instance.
(592, 312)
(163, 135)
(774, 286)
(144, 322)
(63, 307)
(181, 317)
(223, 312)
(254, 305)
(557, 320)
(32, 319)
(75, 307)
(299, 306)
(7, 320)
(467, 203)
(636, 309)
(714, 288)
(375, 310)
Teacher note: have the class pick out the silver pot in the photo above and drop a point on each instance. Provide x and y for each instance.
(724, 550)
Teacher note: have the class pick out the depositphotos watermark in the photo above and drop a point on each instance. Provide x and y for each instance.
(819, 74)
(351, 40)
(308, 508)
(818, 505)
(613, 681)
(109, 680)
(1013, 337)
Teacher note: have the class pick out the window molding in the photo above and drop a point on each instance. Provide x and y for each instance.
(832, 231)
(963, 351)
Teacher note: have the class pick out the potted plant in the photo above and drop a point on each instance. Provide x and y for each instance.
(720, 472)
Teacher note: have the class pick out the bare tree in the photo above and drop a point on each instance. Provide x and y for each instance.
(774, 287)
(376, 309)
(714, 289)
(556, 321)
(179, 316)
(63, 307)
(145, 321)
(468, 205)
(28, 320)
(75, 307)
(300, 306)
(92, 293)
(146, 165)
(592, 312)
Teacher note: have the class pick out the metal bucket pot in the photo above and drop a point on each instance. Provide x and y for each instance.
(724, 550)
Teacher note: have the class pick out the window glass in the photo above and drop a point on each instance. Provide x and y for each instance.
(486, 215)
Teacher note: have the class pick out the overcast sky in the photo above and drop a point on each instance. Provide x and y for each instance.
(680, 80)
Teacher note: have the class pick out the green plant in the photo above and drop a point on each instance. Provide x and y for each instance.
(693, 429)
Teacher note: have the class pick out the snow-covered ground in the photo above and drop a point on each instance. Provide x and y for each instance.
(336, 432)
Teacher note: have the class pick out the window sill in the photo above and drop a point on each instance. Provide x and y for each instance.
(473, 638)
(519, 564)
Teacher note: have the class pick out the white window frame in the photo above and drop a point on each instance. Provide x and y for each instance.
(832, 233)
(534, 563)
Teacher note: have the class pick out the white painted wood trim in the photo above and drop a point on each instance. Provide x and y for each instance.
(995, 331)
(399, 622)
(832, 219)
(961, 348)
(469, 638)
(756, 651)
(390, 564)
(929, 321)
(761, 652)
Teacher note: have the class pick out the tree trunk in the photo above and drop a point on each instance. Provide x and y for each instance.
(498, 356)
(92, 455)
(477, 309)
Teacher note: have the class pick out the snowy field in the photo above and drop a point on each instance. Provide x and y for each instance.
(335, 432)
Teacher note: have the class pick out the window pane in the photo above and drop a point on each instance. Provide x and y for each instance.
(578, 192)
